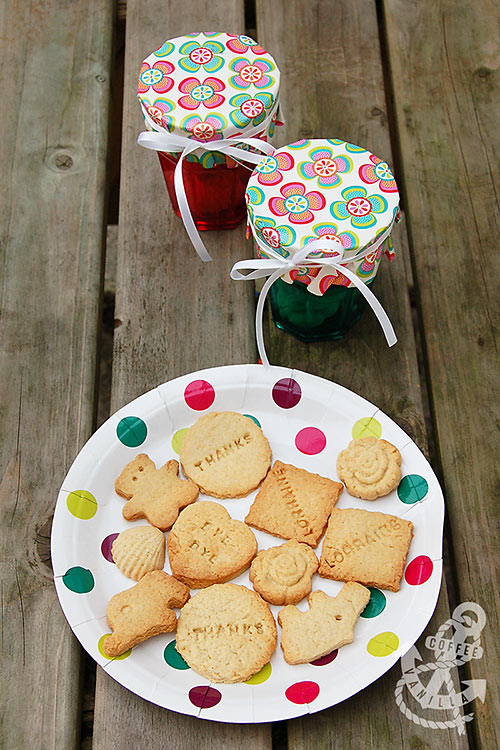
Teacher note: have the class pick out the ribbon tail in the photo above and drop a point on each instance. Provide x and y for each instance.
(375, 305)
(259, 332)
(187, 217)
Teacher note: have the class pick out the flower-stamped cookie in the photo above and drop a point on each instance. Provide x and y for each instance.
(365, 546)
(143, 611)
(154, 494)
(226, 633)
(294, 504)
(369, 467)
(283, 574)
(138, 551)
(207, 546)
(327, 625)
(226, 454)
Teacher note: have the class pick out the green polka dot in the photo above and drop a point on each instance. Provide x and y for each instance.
(261, 676)
(376, 605)
(254, 419)
(366, 427)
(173, 657)
(79, 580)
(383, 644)
(100, 647)
(82, 504)
(412, 488)
(178, 438)
(131, 431)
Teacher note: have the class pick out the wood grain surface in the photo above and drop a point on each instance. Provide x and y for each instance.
(54, 129)
(334, 87)
(174, 315)
(445, 60)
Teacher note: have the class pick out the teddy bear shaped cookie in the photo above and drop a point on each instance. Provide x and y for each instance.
(155, 494)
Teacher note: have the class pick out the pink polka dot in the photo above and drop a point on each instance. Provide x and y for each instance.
(199, 395)
(419, 570)
(302, 692)
(310, 440)
(324, 660)
(106, 545)
(204, 696)
(287, 393)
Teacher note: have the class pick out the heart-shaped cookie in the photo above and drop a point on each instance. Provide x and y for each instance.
(207, 546)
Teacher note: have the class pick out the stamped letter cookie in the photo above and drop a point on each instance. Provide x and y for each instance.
(369, 468)
(207, 546)
(154, 494)
(367, 547)
(226, 633)
(283, 575)
(143, 611)
(226, 454)
(138, 551)
(327, 625)
(294, 504)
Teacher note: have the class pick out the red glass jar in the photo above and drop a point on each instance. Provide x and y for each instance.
(215, 195)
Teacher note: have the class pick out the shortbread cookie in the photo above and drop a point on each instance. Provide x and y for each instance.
(367, 547)
(226, 633)
(143, 611)
(369, 468)
(327, 625)
(294, 504)
(226, 454)
(138, 551)
(207, 546)
(283, 574)
(154, 494)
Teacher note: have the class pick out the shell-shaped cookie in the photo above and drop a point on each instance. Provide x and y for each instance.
(369, 467)
(138, 551)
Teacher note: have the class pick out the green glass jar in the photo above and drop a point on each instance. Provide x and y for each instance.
(309, 317)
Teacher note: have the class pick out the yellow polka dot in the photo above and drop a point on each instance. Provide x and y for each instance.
(178, 438)
(366, 427)
(100, 646)
(383, 644)
(82, 504)
(261, 676)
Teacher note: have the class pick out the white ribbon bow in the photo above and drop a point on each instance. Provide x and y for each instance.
(172, 143)
(277, 266)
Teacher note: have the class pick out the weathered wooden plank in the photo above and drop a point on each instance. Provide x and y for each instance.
(445, 60)
(174, 315)
(333, 87)
(55, 83)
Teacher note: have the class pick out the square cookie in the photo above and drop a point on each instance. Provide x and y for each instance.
(293, 503)
(367, 547)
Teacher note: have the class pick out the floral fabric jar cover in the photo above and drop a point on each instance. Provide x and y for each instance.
(323, 188)
(209, 86)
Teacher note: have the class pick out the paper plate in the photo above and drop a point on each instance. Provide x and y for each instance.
(308, 421)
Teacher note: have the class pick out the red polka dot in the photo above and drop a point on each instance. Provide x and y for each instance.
(302, 692)
(310, 440)
(199, 395)
(287, 393)
(324, 660)
(419, 570)
(106, 545)
(204, 696)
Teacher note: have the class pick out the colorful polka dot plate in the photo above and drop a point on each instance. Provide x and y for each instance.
(308, 421)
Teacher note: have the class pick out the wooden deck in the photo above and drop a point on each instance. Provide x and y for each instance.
(415, 82)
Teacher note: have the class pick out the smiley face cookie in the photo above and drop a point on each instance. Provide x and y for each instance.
(226, 454)
(154, 494)
(327, 625)
(226, 633)
(369, 468)
(207, 546)
(283, 574)
(143, 611)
